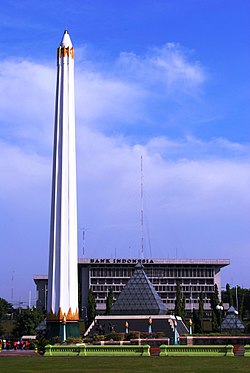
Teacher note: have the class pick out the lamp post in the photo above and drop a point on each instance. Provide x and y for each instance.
(175, 333)
(236, 320)
(126, 327)
(150, 325)
(236, 297)
(220, 309)
(190, 326)
(64, 328)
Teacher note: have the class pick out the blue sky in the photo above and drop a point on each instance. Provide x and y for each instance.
(168, 80)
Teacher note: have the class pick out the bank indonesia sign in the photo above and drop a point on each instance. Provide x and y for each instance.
(121, 261)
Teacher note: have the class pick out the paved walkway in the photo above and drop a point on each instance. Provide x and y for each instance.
(18, 353)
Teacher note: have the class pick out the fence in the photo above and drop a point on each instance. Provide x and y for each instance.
(95, 350)
(143, 350)
(204, 350)
(247, 351)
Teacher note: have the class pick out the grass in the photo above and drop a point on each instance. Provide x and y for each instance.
(39, 364)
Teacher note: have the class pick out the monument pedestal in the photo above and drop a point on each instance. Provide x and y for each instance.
(62, 330)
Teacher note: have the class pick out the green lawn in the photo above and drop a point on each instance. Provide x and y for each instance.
(38, 364)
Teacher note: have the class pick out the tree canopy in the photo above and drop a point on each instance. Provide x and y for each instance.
(27, 321)
(5, 308)
(109, 301)
(240, 298)
(179, 303)
(91, 307)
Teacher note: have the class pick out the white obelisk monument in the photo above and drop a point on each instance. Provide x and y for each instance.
(62, 303)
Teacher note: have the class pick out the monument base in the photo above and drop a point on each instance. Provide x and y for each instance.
(66, 330)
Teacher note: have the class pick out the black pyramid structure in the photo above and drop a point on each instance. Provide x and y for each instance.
(232, 322)
(139, 297)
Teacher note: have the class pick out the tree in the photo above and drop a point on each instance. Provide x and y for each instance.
(178, 301)
(214, 301)
(5, 307)
(195, 321)
(229, 295)
(183, 307)
(200, 314)
(241, 308)
(27, 321)
(2, 330)
(109, 301)
(91, 307)
(242, 298)
(215, 325)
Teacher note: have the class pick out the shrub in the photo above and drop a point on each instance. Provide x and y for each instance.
(98, 337)
(114, 336)
(72, 340)
(247, 328)
(132, 335)
(157, 335)
(41, 343)
(88, 340)
(56, 340)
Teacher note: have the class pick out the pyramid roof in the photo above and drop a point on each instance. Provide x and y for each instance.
(139, 297)
(232, 321)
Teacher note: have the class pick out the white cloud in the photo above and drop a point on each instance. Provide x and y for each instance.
(127, 95)
(26, 101)
(198, 207)
(203, 190)
(193, 148)
(196, 195)
(103, 101)
(22, 171)
(168, 65)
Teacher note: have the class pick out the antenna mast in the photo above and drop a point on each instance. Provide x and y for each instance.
(142, 210)
(12, 286)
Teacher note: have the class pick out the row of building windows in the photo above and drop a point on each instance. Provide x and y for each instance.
(191, 290)
(153, 272)
(154, 281)
(185, 289)
(101, 298)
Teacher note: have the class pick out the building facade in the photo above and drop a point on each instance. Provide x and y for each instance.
(195, 276)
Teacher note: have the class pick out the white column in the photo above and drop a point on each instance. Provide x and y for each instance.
(62, 279)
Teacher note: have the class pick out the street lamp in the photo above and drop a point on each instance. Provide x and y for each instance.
(190, 326)
(150, 325)
(220, 309)
(236, 319)
(126, 327)
(175, 333)
(64, 328)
